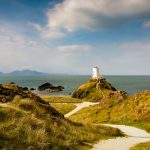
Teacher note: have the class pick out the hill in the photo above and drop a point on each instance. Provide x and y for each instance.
(134, 110)
(130, 110)
(28, 122)
(96, 90)
(114, 108)
(25, 73)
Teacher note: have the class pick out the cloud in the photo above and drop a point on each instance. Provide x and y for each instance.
(147, 23)
(123, 58)
(18, 51)
(49, 33)
(72, 15)
(73, 48)
(135, 52)
(36, 54)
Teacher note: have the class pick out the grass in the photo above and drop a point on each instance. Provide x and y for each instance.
(144, 126)
(28, 122)
(141, 146)
(62, 104)
(23, 129)
(90, 114)
(63, 108)
(133, 111)
(96, 90)
(61, 99)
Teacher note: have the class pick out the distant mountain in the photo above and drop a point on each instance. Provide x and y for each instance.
(25, 73)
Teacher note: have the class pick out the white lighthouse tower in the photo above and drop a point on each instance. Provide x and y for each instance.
(95, 73)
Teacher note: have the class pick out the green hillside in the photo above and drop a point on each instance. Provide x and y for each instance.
(96, 90)
(131, 109)
(114, 107)
(29, 122)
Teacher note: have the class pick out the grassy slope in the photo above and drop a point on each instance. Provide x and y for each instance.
(141, 146)
(134, 110)
(61, 99)
(88, 92)
(96, 90)
(62, 104)
(63, 108)
(30, 123)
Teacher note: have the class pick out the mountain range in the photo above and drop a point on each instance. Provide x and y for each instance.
(24, 73)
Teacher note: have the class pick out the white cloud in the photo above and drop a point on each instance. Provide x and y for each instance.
(73, 48)
(96, 14)
(135, 52)
(37, 55)
(18, 51)
(147, 23)
(49, 33)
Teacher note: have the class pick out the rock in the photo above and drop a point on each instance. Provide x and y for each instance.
(4, 98)
(98, 89)
(32, 89)
(118, 94)
(56, 89)
(45, 86)
(50, 87)
(12, 83)
(25, 88)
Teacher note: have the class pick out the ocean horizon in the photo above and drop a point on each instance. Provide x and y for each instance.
(129, 83)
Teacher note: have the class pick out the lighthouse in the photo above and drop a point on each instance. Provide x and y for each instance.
(95, 73)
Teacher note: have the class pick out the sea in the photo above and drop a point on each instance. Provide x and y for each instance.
(130, 84)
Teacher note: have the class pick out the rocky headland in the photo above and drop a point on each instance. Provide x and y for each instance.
(98, 89)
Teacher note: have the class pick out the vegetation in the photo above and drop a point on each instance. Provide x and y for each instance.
(63, 108)
(142, 146)
(61, 99)
(96, 90)
(132, 110)
(28, 122)
(115, 107)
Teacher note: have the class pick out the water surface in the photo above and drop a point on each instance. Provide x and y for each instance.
(131, 84)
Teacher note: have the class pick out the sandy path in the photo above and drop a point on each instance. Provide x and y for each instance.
(79, 107)
(133, 135)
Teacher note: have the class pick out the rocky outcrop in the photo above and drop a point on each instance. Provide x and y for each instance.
(56, 89)
(97, 89)
(50, 87)
(32, 89)
(44, 86)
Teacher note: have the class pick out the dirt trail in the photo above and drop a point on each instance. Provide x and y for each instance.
(133, 135)
(79, 107)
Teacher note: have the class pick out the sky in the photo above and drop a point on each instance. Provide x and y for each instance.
(72, 36)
